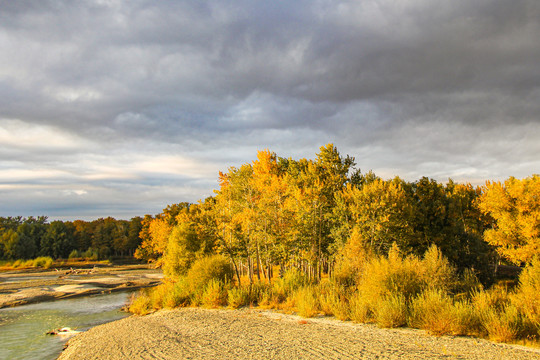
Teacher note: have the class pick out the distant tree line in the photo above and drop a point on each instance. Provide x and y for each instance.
(27, 238)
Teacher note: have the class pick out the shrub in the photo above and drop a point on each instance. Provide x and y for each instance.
(178, 294)
(260, 293)
(527, 297)
(306, 302)
(278, 292)
(495, 298)
(437, 271)
(293, 279)
(352, 259)
(332, 299)
(469, 283)
(239, 296)
(28, 263)
(391, 275)
(170, 294)
(43, 261)
(504, 325)
(436, 312)
(141, 304)
(180, 250)
(327, 296)
(467, 321)
(360, 308)
(74, 254)
(214, 267)
(214, 294)
(345, 274)
(90, 254)
(391, 312)
(159, 294)
(326, 302)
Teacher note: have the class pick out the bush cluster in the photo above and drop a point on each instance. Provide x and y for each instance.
(391, 291)
(42, 262)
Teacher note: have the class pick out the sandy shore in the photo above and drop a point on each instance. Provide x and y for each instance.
(194, 333)
(29, 286)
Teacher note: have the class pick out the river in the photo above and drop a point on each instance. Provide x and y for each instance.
(23, 328)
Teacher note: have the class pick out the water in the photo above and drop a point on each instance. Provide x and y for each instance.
(23, 328)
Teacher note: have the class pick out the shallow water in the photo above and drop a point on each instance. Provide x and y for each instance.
(23, 328)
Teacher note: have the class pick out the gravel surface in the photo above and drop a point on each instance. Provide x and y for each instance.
(21, 287)
(194, 333)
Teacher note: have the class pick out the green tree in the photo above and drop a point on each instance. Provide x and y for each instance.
(134, 229)
(11, 244)
(84, 231)
(58, 241)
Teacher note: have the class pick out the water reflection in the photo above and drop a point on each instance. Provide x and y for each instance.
(23, 328)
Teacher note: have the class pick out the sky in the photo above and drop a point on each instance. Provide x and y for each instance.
(119, 108)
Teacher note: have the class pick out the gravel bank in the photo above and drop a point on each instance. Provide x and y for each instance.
(21, 287)
(194, 333)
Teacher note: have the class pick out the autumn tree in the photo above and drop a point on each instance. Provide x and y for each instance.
(234, 214)
(191, 238)
(380, 212)
(315, 187)
(272, 213)
(155, 232)
(515, 208)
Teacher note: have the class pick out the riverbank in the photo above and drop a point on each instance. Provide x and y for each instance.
(194, 333)
(19, 287)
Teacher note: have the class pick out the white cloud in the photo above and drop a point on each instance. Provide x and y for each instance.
(19, 134)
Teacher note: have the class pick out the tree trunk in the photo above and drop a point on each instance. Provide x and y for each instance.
(258, 262)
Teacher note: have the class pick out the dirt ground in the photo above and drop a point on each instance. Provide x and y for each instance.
(19, 287)
(194, 333)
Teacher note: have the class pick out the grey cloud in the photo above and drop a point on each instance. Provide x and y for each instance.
(409, 88)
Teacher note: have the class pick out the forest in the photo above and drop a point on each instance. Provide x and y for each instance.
(319, 236)
(27, 238)
(307, 213)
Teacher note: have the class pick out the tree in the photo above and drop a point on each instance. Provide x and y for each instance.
(380, 211)
(28, 240)
(515, 209)
(193, 237)
(234, 216)
(155, 232)
(11, 244)
(83, 234)
(134, 229)
(58, 241)
(103, 235)
(271, 212)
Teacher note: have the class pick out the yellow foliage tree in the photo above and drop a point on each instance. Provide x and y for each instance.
(515, 209)
(379, 210)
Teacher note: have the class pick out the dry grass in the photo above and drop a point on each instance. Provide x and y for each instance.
(214, 295)
(360, 308)
(392, 291)
(306, 302)
(438, 313)
(141, 304)
(391, 312)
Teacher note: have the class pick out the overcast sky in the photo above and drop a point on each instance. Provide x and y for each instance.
(118, 108)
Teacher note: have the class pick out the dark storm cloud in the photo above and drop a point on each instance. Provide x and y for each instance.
(410, 88)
